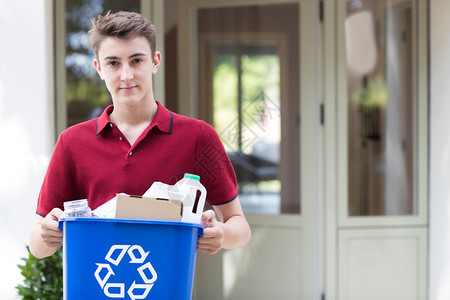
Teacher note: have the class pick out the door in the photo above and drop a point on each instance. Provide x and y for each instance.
(251, 89)
(322, 111)
(377, 227)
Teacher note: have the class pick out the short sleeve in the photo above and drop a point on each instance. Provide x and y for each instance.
(214, 167)
(58, 185)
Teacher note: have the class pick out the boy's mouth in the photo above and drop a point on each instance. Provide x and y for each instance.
(127, 88)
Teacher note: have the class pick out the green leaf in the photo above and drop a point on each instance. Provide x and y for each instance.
(42, 278)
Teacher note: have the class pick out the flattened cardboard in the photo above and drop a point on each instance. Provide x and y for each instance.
(136, 207)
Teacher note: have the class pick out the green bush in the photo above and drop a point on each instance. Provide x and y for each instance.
(43, 278)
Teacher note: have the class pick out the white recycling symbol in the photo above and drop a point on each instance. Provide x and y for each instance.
(117, 290)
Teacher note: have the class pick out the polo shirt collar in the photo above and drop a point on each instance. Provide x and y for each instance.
(103, 120)
(163, 119)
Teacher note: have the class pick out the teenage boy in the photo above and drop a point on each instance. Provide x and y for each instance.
(135, 142)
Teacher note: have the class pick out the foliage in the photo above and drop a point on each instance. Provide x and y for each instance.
(78, 16)
(43, 278)
(373, 94)
(260, 75)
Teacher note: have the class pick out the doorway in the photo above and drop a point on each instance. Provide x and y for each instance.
(337, 203)
(248, 87)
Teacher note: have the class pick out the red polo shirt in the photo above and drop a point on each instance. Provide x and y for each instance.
(93, 160)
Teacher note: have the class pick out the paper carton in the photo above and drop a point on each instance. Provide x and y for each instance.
(137, 207)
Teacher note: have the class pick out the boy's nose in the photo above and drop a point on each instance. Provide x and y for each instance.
(127, 73)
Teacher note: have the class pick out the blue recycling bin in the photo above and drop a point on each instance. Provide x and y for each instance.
(128, 259)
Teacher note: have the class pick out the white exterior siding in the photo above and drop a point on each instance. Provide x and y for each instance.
(26, 126)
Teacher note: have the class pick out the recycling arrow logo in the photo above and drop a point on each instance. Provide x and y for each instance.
(115, 256)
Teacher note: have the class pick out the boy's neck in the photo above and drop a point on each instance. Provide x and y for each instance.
(134, 116)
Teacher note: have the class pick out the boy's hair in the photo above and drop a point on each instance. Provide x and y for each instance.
(124, 25)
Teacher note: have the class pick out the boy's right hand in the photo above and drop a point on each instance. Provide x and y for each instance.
(50, 233)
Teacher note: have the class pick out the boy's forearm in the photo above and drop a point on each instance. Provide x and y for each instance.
(237, 233)
(37, 245)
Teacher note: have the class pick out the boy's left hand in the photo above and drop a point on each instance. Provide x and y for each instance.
(213, 235)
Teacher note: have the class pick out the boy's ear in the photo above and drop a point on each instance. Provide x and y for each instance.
(156, 62)
(98, 68)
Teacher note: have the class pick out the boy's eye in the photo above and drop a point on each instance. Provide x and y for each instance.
(112, 63)
(137, 60)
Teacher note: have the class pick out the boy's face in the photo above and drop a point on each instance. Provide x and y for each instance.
(127, 67)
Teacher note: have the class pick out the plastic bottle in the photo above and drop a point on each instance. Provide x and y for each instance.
(77, 209)
(186, 189)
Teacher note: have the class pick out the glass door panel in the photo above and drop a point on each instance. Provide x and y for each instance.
(250, 95)
(382, 128)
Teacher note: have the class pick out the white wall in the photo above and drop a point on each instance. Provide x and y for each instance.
(26, 122)
(439, 275)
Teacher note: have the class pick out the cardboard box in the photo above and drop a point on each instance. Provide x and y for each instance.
(137, 207)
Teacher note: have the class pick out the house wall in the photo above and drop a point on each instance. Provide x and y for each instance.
(439, 232)
(26, 126)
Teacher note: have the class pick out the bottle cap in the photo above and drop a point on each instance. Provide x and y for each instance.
(76, 203)
(191, 176)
